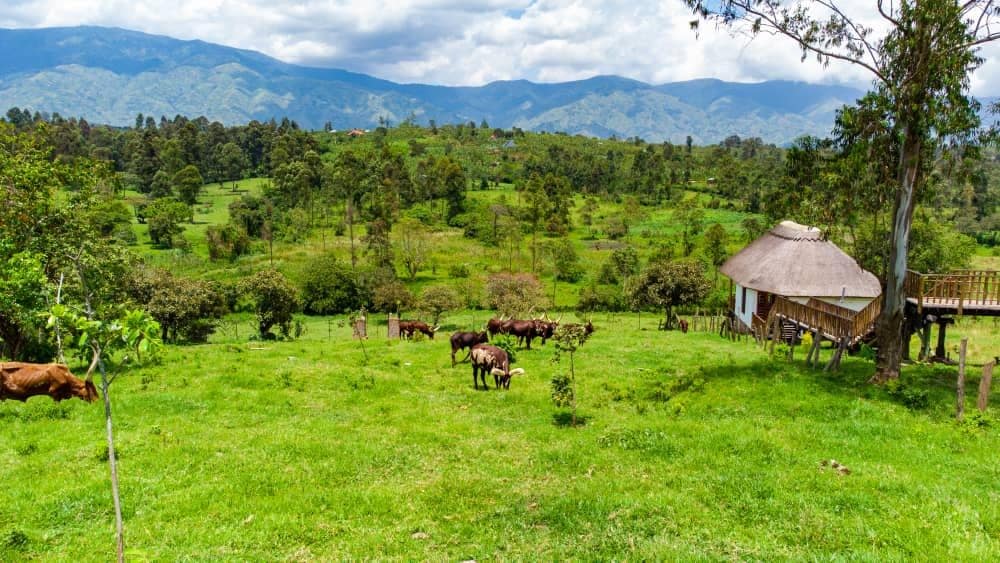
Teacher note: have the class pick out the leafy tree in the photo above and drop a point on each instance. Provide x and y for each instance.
(186, 309)
(391, 296)
(188, 184)
(114, 344)
(437, 300)
(331, 287)
(414, 245)
(568, 339)
(920, 68)
(621, 265)
(23, 290)
(752, 229)
(161, 186)
(275, 300)
(232, 161)
(227, 242)
(716, 240)
(691, 218)
(665, 285)
(513, 294)
(164, 218)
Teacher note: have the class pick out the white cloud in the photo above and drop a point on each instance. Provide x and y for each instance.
(460, 42)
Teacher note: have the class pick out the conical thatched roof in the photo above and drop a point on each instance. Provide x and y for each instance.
(796, 261)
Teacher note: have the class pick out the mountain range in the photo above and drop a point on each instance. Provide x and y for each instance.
(109, 75)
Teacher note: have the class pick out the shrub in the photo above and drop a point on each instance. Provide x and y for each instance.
(164, 217)
(513, 294)
(227, 243)
(458, 271)
(392, 297)
(186, 309)
(275, 300)
(330, 286)
(439, 299)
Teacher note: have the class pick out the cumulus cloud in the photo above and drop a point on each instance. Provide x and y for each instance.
(469, 42)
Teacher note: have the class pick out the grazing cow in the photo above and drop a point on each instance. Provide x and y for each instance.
(588, 327)
(19, 380)
(525, 331)
(498, 326)
(407, 328)
(487, 358)
(463, 340)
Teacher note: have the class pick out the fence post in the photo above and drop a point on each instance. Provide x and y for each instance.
(960, 393)
(984, 386)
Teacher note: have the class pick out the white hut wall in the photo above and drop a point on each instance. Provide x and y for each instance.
(745, 304)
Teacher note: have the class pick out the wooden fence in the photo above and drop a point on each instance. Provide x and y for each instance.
(835, 322)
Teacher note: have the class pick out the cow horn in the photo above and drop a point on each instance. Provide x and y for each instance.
(435, 329)
(517, 371)
(559, 319)
(498, 372)
(93, 365)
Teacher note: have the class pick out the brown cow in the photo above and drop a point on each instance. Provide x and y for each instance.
(487, 358)
(19, 380)
(407, 328)
(463, 340)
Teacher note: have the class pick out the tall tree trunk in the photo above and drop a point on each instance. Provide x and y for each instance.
(350, 230)
(889, 329)
(113, 463)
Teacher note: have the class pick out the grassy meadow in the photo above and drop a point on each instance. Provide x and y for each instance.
(324, 448)
(691, 447)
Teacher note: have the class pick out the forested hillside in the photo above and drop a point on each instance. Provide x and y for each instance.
(388, 219)
(109, 75)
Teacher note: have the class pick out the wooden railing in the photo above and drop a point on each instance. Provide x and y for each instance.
(833, 321)
(961, 289)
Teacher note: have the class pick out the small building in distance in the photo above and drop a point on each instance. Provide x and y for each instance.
(796, 262)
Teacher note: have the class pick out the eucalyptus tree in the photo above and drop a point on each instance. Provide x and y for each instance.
(920, 55)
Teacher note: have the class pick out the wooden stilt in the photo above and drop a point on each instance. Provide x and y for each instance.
(960, 391)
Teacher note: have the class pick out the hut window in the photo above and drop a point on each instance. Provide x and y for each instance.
(743, 305)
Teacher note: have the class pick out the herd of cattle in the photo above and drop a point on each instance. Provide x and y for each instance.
(486, 358)
(19, 380)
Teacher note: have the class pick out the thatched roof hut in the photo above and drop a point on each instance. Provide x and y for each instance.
(794, 260)
(797, 262)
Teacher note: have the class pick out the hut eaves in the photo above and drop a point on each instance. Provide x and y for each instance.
(797, 261)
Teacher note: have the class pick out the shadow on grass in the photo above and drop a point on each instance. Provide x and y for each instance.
(565, 419)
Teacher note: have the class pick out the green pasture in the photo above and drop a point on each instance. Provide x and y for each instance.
(691, 447)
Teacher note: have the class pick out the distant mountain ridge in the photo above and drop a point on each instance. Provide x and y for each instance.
(109, 75)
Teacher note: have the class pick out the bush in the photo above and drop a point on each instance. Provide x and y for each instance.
(513, 294)
(227, 243)
(911, 398)
(392, 297)
(330, 287)
(164, 217)
(458, 271)
(275, 300)
(186, 309)
(601, 298)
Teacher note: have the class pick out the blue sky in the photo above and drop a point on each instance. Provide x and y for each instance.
(458, 42)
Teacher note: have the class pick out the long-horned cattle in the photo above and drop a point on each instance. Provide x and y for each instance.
(20, 380)
(408, 328)
(463, 340)
(487, 358)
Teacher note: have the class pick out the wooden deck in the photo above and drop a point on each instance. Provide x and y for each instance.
(975, 293)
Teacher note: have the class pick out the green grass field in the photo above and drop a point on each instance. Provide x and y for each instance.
(692, 447)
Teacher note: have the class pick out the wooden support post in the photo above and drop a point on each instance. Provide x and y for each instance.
(984, 386)
(791, 346)
(925, 342)
(775, 333)
(834, 363)
(942, 323)
(960, 391)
